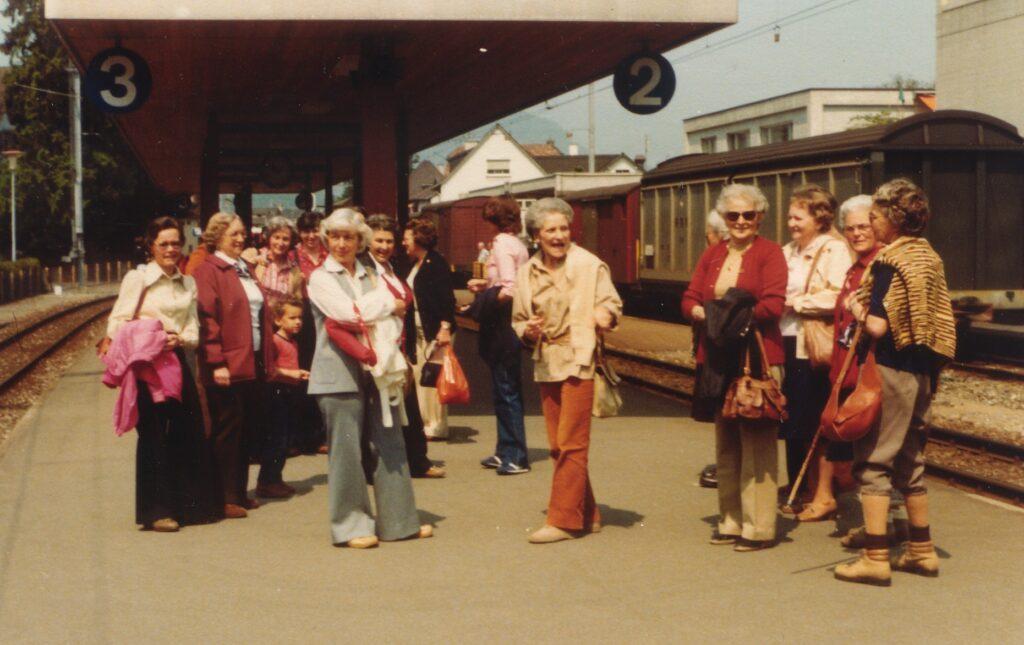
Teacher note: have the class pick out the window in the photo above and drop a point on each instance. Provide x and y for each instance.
(622, 171)
(776, 133)
(498, 167)
(739, 140)
(707, 145)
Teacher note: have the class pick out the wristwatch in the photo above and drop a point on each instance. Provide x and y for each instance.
(446, 325)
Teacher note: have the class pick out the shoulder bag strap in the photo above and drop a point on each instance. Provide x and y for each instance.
(814, 265)
(766, 369)
(138, 305)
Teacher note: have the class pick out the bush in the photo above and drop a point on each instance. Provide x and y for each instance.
(6, 266)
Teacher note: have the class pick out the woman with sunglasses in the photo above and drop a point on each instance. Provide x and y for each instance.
(745, 451)
(818, 259)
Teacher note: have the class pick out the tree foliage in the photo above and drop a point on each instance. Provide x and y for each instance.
(882, 117)
(118, 196)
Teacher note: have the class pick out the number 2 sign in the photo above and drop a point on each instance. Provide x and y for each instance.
(118, 80)
(644, 83)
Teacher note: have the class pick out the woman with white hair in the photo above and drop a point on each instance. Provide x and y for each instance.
(715, 229)
(350, 293)
(564, 301)
(749, 271)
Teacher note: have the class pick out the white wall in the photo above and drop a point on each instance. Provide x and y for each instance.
(472, 175)
(979, 61)
(753, 124)
(623, 164)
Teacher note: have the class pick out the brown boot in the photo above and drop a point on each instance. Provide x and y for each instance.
(919, 558)
(872, 568)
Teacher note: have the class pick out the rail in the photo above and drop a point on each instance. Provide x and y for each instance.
(32, 281)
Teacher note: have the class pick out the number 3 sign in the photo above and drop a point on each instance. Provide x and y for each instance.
(118, 80)
(644, 83)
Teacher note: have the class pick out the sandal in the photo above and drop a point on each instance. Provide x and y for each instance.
(815, 512)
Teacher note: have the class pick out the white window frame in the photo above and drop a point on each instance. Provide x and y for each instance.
(768, 132)
(731, 138)
(709, 142)
(499, 167)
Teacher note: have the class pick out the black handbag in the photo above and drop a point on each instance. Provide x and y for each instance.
(431, 371)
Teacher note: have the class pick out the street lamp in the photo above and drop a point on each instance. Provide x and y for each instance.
(12, 155)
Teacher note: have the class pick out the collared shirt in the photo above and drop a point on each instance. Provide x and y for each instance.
(385, 271)
(169, 299)
(277, 276)
(252, 293)
(331, 299)
(552, 297)
(308, 263)
(507, 254)
(829, 275)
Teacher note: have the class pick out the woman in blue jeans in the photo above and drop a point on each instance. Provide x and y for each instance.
(499, 346)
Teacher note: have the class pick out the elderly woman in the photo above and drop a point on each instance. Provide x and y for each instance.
(833, 458)
(277, 272)
(349, 292)
(817, 262)
(173, 480)
(903, 303)
(432, 318)
(715, 229)
(381, 253)
(564, 298)
(745, 450)
(498, 344)
(232, 333)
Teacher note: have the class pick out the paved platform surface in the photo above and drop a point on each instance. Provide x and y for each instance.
(74, 568)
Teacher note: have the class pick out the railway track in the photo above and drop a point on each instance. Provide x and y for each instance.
(23, 349)
(671, 379)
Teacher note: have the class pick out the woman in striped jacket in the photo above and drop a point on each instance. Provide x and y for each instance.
(903, 303)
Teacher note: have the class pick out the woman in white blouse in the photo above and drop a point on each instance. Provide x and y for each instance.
(174, 484)
(818, 260)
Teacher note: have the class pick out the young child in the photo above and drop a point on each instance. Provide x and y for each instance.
(285, 381)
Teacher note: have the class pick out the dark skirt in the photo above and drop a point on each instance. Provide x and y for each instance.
(806, 391)
(174, 474)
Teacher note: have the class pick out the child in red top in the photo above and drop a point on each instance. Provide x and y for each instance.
(285, 381)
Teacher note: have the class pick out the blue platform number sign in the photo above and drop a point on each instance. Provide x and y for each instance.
(118, 80)
(644, 83)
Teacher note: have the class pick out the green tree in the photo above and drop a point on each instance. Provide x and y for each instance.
(118, 196)
(882, 117)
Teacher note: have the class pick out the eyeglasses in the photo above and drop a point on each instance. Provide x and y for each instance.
(168, 245)
(734, 216)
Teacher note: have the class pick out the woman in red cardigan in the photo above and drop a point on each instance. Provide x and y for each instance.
(745, 451)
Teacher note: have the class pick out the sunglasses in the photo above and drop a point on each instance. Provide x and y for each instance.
(734, 216)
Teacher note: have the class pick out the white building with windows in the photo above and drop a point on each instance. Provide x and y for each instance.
(979, 57)
(797, 115)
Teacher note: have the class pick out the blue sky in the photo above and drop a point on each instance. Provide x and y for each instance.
(848, 43)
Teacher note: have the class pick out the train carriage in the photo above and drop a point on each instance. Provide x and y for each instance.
(970, 164)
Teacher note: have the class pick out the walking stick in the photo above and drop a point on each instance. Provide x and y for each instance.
(803, 469)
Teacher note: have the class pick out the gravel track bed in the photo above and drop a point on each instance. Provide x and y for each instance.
(23, 394)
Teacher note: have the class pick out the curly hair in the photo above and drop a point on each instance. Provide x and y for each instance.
(503, 212)
(215, 228)
(279, 304)
(280, 223)
(904, 204)
(382, 222)
(750, 193)
(158, 226)
(424, 232)
(819, 203)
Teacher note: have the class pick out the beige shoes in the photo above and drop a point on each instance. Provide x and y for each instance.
(165, 525)
(365, 542)
(426, 531)
(548, 534)
(872, 568)
(919, 558)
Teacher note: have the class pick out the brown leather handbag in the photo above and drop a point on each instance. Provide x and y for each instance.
(752, 398)
(819, 333)
(859, 412)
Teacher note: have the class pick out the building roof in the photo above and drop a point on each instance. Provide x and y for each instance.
(603, 192)
(548, 149)
(576, 163)
(925, 100)
(423, 181)
(804, 91)
(452, 167)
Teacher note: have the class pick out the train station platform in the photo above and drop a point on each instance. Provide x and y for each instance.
(74, 567)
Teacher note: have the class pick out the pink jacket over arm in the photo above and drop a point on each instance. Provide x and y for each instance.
(137, 352)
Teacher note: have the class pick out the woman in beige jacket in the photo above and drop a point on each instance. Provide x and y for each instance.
(564, 299)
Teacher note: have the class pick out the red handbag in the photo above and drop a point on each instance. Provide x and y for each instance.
(859, 412)
(349, 343)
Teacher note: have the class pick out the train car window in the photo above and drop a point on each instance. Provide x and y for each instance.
(769, 226)
(666, 203)
(787, 181)
(819, 177)
(681, 240)
(647, 228)
(846, 182)
(953, 228)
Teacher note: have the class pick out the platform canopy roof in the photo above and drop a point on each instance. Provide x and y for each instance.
(288, 78)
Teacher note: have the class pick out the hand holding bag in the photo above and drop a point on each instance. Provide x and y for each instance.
(607, 400)
(819, 333)
(452, 386)
(859, 412)
(751, 398)
(431, 369)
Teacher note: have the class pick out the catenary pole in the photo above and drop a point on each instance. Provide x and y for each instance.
(78, 230)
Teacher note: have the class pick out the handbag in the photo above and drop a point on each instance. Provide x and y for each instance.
(607, 399)
(452, 386)
(819, 333)
(753, 398)
(431, 369)
(862, 408)
(349, 343)
(103, 344)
